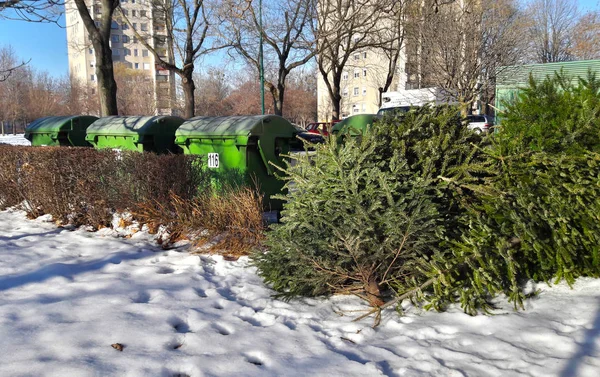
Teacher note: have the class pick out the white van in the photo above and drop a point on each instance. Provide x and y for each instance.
(401, 101)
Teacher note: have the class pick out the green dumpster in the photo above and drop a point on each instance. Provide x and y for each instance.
(354, 125)
(242, 148)
(59, 130)
(135, 133)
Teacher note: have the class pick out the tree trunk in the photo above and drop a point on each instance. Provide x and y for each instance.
(277, 94)
(335, 107)
(107, 86)
(188, 91)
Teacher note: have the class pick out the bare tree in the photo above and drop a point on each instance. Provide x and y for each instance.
(462, 45)
(31, 10)
(187, 26)
(212, 99)
(401, 24)
(286, 32)
(586, 36)
(135, 88)
(301, 96)
(346, 28)
(551, 29)
(99, 33)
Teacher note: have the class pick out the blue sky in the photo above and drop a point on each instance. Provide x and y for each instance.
(46, 44)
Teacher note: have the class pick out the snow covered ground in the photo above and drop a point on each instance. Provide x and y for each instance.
(67, 296)
(18, 139)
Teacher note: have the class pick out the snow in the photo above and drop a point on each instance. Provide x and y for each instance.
(18, 139)
(67, 295)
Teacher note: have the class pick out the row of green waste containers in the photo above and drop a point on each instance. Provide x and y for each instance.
(246, 146)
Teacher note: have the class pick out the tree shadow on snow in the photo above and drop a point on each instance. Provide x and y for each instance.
(66, 270)
(26, 235)
(586, 348)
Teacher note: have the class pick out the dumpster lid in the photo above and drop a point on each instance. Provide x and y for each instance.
(132, 125)
(354, 122)
(56, 123)
(232, 126)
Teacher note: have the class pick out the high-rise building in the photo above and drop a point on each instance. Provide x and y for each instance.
(149, 21)
(362, 78)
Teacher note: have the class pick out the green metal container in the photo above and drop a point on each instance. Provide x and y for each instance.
(241, 149)
(354, 125)
(135, 133)
(59, 130)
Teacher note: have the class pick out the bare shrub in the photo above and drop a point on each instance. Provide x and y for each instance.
(84, 186)
(229, 221)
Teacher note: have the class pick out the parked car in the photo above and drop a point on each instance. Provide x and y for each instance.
(320, 128)
(311, 137)
(479, 123)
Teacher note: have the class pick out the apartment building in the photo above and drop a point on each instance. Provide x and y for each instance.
(126, 48)
(362, 79)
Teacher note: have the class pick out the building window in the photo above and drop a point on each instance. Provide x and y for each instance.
(91, 51)
(91, 64)
(144, 53)
(356, 74)
(125, 39)
(124, 27)
(146, 66)
(356, 56)
(142, 13)
(364, 107)
(92, 77)
(345, 76)
(345, 92)
(364, 90)
(137, 65)
(355, 91)
(134, 13)
(355, 109)
(134, 26)
(114, 25)
(134, 39)
(135, 52)
(132, 1)
(364, 55)
(116, 52)
(97, 23)
(114, 38)
(364, 72)
(125, 11)
(126, 52)
(144, 27)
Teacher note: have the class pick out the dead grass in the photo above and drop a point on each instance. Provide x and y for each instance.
(228, 222)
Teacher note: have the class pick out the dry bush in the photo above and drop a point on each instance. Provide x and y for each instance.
(86, 186)
(10, 193)
(229, 221)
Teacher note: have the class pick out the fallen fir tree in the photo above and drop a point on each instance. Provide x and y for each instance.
(421, 208)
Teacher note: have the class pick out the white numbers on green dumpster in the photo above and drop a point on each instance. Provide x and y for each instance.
(213, 160)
